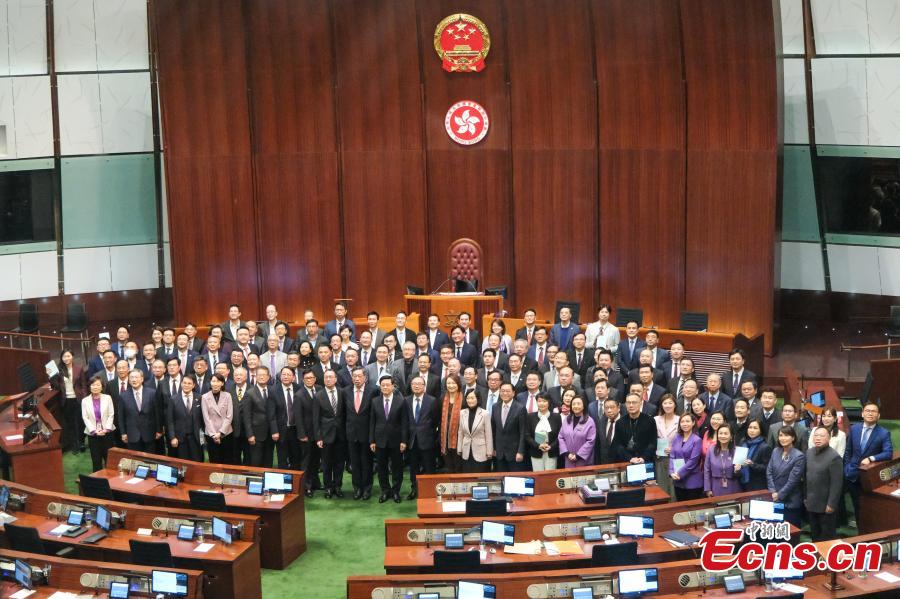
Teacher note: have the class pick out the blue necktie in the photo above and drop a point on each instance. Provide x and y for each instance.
(865, 437)
(418, 405)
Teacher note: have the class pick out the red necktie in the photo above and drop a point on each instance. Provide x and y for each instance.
(644, 396)
(541, 356)
(357, 402)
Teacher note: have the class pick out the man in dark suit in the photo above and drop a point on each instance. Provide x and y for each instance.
(464, 352)
(213, 353)
(527, 332)
(183, 422)
(234, 322)
(644, 360)
(145, 360)
(516, 374)
(489, 359)
(508, 426)
(658, 356)
(687, 374)
(470, 333)
(651, 391)
(333, 327)
(566, 380)
(867, 442)
(734, 378)
(237, 388)
(95, 364)
(244, 343)
(423, 346)
(520, 348)
(604, 448)
(528, 397)
(432, 381)
(629, 351)
(563, 332)
(330, 436)
(402, 332)
(672, 366)
(424, 422)
(357, 414)
(311, 455)
(325, 363)
(168, 348)
(388, 435)
(539, 350)
(635, 435)
(470, 384)
(286, 420)
(201, 376)
(256, 424)
(405, 368)
(580, 357)
(140, 421)
(714, 398)
(121, 339)
(765, 411)
(184, 353)
(614, 378)
(436, 337)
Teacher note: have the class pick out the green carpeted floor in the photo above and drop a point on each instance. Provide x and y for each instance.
(344, 537)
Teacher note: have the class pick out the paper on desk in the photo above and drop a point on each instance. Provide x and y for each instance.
(791, 588)
(612, 541)
(740, 455)
(145, 532)
(887, 577)
(21, 594)
(529, 548)
(14, 437)
(134, 481)
(276, 498)
(60, 529)
(62, 595)
(896, 492)
(568, 548)
(203, 547)
(453, 506)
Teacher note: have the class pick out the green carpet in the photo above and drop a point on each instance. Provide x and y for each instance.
(344, 537)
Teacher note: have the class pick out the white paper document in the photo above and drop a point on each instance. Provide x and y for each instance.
(203, 547)
(276, 498)
(134, 481)
(21, 594)
(51, 368)
(14, 437)
(60, 529)
(887, 577)
(740, 455)
(453, 506)
(145, 532)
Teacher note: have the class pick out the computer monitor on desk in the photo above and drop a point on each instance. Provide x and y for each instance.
(173, 584)
(638, 474)
(475, 590)
(634, 583)
(277, 482)
(23, 574)
(222, 530)
(518, 486)
(166, 474)
(102, 518)
(498, 533)
(634, 526)
(31, 431)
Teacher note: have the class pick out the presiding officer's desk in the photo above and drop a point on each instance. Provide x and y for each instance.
(232, 571)
(410, 543)
(440, 495)
(91, 578)
(879, 502)
(38, 462)
(283, 523)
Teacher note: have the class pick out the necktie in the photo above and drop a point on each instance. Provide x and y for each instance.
(530, 403)
(712, 404)
(578, 360)
(333, 402)
(630, 349)
(187, 402)
(644, 395)
(240, 394)
(458, 352)
(122, 387)
(540, 356)
(601, 330)
(137, 400)
(365, 359)
(678, 388)
(737, 378)
(357, 401)
(289, 401)
(387, 407)
(504, 413)
(444, 373)
(418, 406)
(174, 388)
(491, 402)
(265, 393)
(272, 364)
(380, 371)
(865, 437)
(183, 363)
(530, 333)
(121, 351)
(212, 360)
(610, 426)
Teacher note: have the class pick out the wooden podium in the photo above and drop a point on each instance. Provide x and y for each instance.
(450, 306)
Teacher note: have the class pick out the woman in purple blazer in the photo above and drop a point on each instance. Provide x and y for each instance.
(577, 436)
(719, 471)
(688, 479)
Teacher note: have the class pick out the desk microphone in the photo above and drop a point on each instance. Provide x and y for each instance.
(449, 277)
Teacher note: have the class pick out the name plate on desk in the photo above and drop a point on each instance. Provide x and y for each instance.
(443, 590)
(576, 482)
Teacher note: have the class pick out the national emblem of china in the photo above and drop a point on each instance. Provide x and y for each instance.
(463, 42)
(466, 122)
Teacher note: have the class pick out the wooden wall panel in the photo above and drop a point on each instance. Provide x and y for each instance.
(554, 147)
(732, 143)
(469, 187)
(295, 154)
(202, 86)
(382, 155)
(642, 158)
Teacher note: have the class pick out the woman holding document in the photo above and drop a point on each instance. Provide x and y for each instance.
(542, 435)
(754, 464)
(686, 460)
(666, 429)
(577, 436)
(719, 470)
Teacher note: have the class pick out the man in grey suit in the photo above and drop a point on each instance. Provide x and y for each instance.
(715, 399)
(380, 366)
(140, 422)
(508, 426)
(402, 371)
(789, 418)
(551, 377)
(273, 359)
(377, 334)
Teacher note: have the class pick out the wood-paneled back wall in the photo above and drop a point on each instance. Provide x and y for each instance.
(632, 156)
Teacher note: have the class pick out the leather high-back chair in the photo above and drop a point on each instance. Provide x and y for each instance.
(465, 259)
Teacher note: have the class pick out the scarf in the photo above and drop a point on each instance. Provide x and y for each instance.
(752, 446)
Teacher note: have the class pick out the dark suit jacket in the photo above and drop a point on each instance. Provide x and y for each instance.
(644, 438)
(723, 403)
(331, 328)
(144, 424)
(662, 356)
(556, 334)
(656, 392)
(556, 394)
(625, 362)
(468, 355)
(672, 386)
(320, 372)
(328, 423)
(410, 336)
(878, 446)
(277, 412)
(203, 388)
(532, 354)
(440, 339)
(301, 397)
(658, 377)
(422, 434)
(522, 333)
(432, 385)
(162, 354)
(238, 408)
(531, 421)
(666, 368)
(226, 330)
(604, 452)
(481, 377)
(728, 382)
(510, 439)
(391, 430)
(255, 414)
(519, 386)
(473, 338)
(357, 425)
(180, 423)
(587, 360)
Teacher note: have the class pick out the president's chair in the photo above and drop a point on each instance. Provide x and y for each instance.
(465, 259)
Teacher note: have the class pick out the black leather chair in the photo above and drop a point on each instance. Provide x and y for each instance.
(148, 553)
(491, 507)
(626, 315)
(210, 502)
(28, 539)
(29, 323)
(620, 554)
(92, 486)
(625, 498)
(456, 562)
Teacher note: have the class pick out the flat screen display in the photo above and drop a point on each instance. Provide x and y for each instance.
(169, 583)
(76, 518)
(166, 475)
(635, 526)
(633, 582)
(186, 532)
(583, 593)
(818, 399)
(722, 520)
(734, 583)
(102, 518)
(278, 482)
(255, 487)
(118, 590)
(498, 532)
(453, 540)
(23, 574)
(428, 596)
(480, 492)
(783, 574)
(591, 534)
(142, 472)
(638, 473)
(222, 530)
(766, 510)
(475, 590)
(520, 486)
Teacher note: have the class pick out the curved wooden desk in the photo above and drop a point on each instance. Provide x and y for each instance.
(39, 463)
(84, 577)
(232, 570)
(283, 523)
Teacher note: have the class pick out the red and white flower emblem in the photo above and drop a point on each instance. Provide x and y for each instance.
(466, 122)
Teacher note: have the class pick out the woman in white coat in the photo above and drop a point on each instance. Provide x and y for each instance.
(475, 442)
(99, 418)
(218, 413)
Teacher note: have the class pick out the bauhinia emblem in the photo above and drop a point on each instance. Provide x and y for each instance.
(466, 122)
(463, 42)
